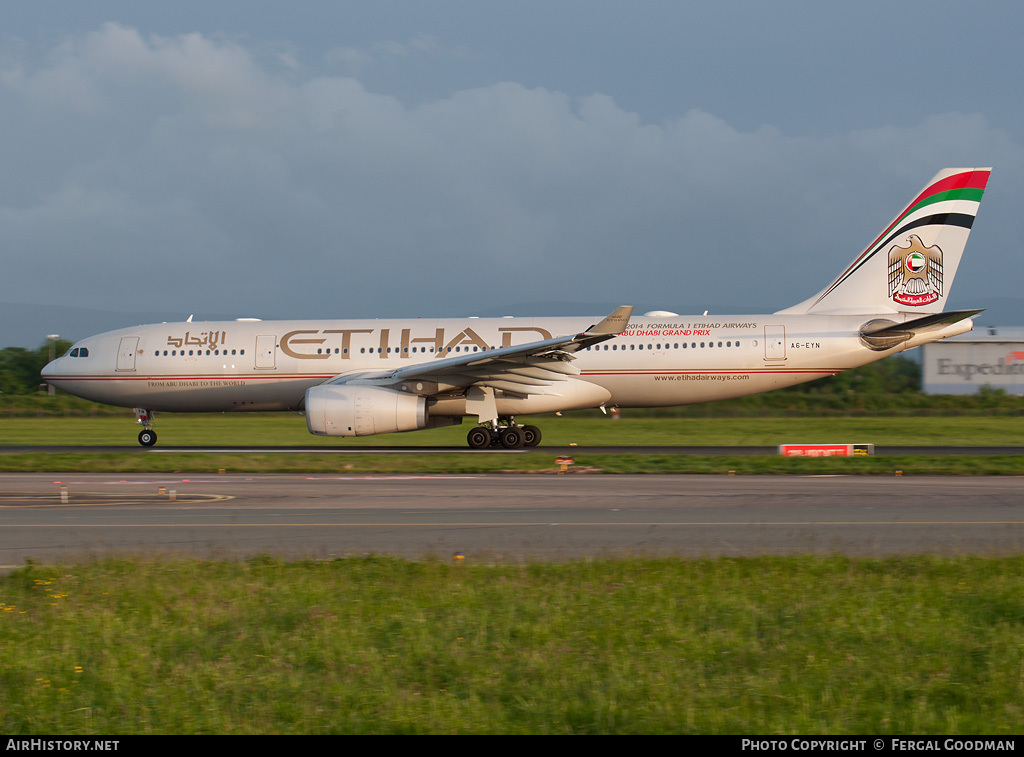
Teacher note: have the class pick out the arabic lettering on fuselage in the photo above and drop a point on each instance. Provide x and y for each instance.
(211, 340)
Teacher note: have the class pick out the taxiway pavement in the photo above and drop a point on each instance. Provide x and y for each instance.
(501, 517)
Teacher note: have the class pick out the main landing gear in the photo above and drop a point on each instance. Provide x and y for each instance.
(507, 435)
(147, 437)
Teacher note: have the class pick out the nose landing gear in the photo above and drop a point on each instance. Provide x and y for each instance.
(147, 437)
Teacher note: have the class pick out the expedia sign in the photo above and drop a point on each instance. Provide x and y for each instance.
(968, 371)
(962, 368)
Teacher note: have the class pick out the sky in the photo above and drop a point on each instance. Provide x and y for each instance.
(410, 158)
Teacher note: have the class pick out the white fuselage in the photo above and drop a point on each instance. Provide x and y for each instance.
(269, 365)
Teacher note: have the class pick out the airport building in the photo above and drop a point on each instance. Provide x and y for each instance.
(988, 356)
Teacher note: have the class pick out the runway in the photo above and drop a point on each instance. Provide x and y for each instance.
(503, 517)
(462, 449)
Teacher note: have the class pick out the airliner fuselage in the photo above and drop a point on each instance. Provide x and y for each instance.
(269, 365)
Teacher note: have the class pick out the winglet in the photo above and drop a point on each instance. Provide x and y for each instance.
(614, 324)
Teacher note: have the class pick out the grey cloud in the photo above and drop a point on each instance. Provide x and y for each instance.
(209, 179)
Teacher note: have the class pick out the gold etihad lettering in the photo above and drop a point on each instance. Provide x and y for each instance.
(437, 341)
(467, 337)
(346, 339)
(290, 338)
(296, 343)
(506, 333)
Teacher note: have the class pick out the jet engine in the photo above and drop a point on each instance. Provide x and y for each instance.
(346, 410)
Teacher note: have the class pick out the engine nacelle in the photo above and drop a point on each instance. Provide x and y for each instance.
(346, 410)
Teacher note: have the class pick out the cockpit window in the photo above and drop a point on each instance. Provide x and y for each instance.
(74, 352)
(83, 352)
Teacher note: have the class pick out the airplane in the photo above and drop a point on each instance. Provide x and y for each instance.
(366, 377)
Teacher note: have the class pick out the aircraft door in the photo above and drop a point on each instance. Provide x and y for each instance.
(126, 353)
(266, 352)
(774, 342)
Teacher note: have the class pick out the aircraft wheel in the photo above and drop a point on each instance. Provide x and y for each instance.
(512, 437)
(479, 438)
(147, 438)
(531, 436)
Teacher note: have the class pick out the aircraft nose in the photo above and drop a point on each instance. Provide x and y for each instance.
(51, 369)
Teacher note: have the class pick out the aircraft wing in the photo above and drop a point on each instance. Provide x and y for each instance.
(523, 369)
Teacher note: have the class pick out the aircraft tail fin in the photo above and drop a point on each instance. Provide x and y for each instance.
(909, 267)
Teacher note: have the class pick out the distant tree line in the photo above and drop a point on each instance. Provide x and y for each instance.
(888, 387)
(893, 375)
(20, 367)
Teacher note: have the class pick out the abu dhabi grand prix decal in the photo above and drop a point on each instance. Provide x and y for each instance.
(915, 273)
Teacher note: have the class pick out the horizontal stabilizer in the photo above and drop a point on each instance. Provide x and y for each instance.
(917, 324)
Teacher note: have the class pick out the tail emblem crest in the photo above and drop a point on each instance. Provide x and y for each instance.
(915, 273)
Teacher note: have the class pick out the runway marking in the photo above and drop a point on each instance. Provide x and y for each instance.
(238, 479)
(332, 450)
(405, 477)
(38, 501)
(530, 523)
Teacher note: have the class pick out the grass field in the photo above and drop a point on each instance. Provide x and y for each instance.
(583, 429)
(800, 645)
